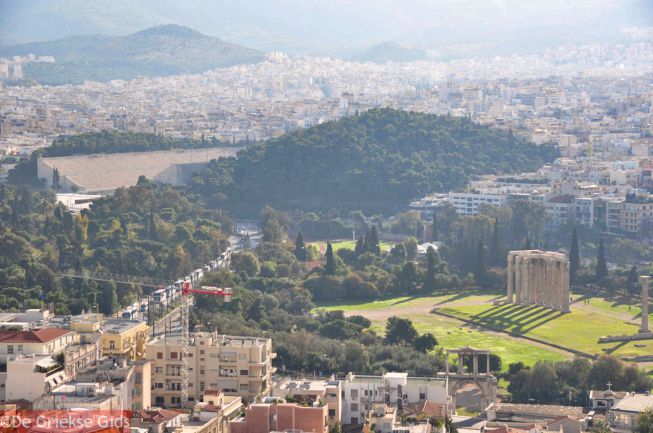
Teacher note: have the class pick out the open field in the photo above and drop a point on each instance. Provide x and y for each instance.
(340, 244)
(578, 330)
(450, 332)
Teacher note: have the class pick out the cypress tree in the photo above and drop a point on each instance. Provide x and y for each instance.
(108, 299)
(366, 242)
(56, 180)
(527, 243)
(374, 246)
(495, 245)
(300, 248)
(480, 265)
(360, 246)
(574, 255)
(152, 227)
(601, 262)
(633, 278)
(429, 277)
(330, 266)
(434, 227)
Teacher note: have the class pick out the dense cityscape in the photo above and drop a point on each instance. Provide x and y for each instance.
(302, 243)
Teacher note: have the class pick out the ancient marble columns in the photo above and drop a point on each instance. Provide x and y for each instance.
(539, 278)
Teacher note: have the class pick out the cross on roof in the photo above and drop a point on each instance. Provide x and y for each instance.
(609, 385)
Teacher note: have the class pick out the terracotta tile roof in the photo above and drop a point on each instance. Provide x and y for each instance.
(158, 415)
(43, 335)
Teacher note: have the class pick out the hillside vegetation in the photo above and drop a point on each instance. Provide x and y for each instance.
(118, 141)
(376, 161)
(158, 51)
(146, 230)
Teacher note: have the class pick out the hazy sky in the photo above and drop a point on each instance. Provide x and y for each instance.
(333, 26)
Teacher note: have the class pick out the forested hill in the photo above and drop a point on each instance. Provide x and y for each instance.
(157, 51)
(376, 161)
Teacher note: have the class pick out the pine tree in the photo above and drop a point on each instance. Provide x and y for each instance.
(360, 246)
(434, 227)
(374, 242)
(330, 266)
(300, 248)
(429, 277)
(574, 255)
(480, 265)
(601, 263)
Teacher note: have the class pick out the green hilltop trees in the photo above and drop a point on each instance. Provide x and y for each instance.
(376, 161)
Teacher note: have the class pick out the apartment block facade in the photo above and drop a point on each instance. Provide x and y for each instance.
(239, 366)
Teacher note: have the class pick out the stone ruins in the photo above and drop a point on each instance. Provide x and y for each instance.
(538, 277)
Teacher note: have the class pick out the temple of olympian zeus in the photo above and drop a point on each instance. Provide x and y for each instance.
(538, 277)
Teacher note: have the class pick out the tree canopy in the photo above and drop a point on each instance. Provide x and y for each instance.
(379, 160)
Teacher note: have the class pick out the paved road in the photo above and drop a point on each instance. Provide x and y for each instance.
(171, 323)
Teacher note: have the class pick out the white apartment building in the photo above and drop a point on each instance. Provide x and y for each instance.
(467, 203)
(360, 393)
(239, 366)
(46, 341)
(30, 376)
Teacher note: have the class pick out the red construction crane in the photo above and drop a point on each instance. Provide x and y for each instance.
(187, 290)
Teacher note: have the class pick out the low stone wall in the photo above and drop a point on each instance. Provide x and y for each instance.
(632, 337)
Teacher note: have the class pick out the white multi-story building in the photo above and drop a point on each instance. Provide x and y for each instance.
(361, 393)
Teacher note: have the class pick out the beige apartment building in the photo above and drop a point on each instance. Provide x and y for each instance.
(239, 366)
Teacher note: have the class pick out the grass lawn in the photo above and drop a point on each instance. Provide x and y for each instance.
(579, 329)
(340, 244)
(449, 332)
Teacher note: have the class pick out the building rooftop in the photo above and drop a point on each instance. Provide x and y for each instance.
(540, 409)
(634, 403)
(118, 326)
(44, 335)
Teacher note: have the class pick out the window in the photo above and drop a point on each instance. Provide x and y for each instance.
(159, 355)
(173, 355)
(422, 396)
(244, 387)
(19, 348)
(244, 372)
(202, 352)
(112, 345)
(242, 356)
(158, 369)
(332, 413)
(159, 401)
(10, 349)
(354, 407)
(158, 385)
(354, 420)
(354, 393)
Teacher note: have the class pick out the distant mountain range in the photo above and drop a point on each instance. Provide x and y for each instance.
(389, 52)
(447, 29)
(157, 51)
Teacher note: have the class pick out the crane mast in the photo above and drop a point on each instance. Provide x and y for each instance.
(186, 291)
